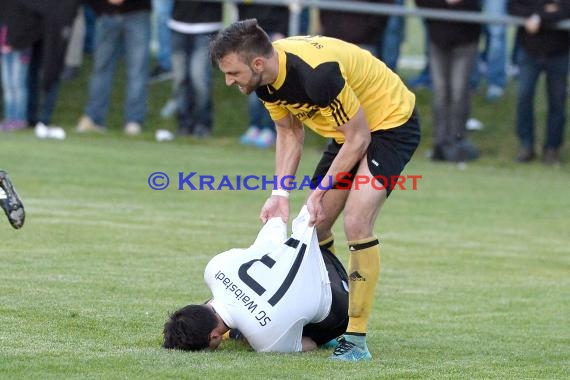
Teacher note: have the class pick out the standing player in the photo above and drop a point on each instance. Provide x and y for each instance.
(277, 293)
(341, 92)
(11, 202)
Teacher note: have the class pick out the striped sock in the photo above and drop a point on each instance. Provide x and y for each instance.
(363, 273)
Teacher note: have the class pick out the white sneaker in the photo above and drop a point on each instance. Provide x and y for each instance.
(163, 135)
(86, 125)
(133, 129)
(474, 125)
(56, 133)
(41, 130)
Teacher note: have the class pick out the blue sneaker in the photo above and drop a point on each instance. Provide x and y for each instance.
(265, 139)
(333, 343)
(250, 136)
(11, 202)
(350, 352)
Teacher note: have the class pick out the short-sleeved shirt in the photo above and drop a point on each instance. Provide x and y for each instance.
(272, 289)
(323, 82)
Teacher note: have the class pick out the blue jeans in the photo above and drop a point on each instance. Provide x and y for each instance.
(392, 38)
(90, 21)
(424, 77)
(163, 12)
(556, 70)
(496, 44)
(127, 34)
(15, 67)
(192, 80)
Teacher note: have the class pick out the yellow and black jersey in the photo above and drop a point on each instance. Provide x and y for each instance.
(323, 82)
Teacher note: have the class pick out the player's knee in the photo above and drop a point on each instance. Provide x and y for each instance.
(323, 234)
(356, 229)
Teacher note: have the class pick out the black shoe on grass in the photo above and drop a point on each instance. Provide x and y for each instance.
(11, 202)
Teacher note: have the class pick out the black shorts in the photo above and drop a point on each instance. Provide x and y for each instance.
(336, 322)
(389, 151)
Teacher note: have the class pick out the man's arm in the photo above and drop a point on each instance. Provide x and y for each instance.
(288, 148)
(357, 138)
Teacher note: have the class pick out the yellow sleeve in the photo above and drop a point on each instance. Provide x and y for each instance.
(276, 111)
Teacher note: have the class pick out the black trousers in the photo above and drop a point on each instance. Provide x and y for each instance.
(336, 322)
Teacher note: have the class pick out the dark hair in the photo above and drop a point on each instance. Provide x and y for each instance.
(246, 38)
(189, 328)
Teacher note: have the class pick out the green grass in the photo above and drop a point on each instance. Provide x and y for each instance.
(475, 264)
(474, 282)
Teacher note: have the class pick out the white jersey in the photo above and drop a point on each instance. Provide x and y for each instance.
(272, 289)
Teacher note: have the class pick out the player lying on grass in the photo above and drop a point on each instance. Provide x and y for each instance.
(283, 295)
(11, 202)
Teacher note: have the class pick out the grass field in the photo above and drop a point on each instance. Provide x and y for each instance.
(475, 278)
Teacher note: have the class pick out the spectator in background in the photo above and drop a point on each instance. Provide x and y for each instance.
(74, 53)
(494, 56)
(44, 26)
(275, 21)
(362, 29)
(423, 79)
(453, 48)
(15, 65)
(391, 41)
(513, 69)
(192, 24)
(90, 20)
(542, 49)
(123, 27)
(163, 11)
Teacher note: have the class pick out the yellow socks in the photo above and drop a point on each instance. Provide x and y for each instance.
(363, 273)
(328, 243)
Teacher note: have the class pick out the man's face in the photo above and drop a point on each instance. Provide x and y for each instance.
(214, 342)
(237, 72)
